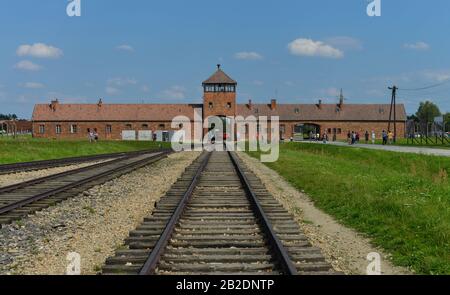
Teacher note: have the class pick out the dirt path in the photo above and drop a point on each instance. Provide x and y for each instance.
(343, 247)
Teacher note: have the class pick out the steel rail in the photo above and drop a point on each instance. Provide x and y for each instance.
(21, 203)
(157, 251)
(280, 251)
(45, 164)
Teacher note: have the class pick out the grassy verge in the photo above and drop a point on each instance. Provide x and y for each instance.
(404, 142)
(402, 201)
(25, 149)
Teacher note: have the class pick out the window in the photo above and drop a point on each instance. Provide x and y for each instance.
(329, 130)
(339, 131)
(128, 126)
(180, 125)
(162, 126)
(108, 128)
(73, 129)
(58, 129)
(145, 126)
(211, 105)
(41, 129)
(229, 105)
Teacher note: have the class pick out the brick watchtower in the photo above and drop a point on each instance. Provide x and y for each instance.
(219, 98)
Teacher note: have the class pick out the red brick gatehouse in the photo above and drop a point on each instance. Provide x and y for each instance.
(153, 121)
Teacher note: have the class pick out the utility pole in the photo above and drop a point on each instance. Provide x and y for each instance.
(393, 111)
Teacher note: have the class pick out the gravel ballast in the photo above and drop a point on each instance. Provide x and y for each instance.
(93, 224)
(343, 247)
(13, 178)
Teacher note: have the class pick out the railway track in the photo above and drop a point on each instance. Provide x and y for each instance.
(22, 199)
(45, 164)
(218, 218)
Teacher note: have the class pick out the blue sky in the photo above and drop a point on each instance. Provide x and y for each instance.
(160, 51)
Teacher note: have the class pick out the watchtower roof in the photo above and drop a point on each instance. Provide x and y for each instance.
(219, 77)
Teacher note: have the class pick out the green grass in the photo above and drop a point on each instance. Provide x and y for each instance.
(25, 149)
(404, 142)
(401, 201)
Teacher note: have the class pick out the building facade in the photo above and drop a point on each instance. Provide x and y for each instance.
(154, 121)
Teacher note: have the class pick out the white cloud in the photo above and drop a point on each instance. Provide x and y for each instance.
(308, 47)
(27, 65)
(437, 75)
(120, 82)
(332, 91)
(111, 90)
(39, 50)
(32, 85)
(115, 85)
(125, 47)
(175, 92)
(248, 56)
(345, 43)
(421, 46)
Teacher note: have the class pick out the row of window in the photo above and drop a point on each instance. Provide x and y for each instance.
(74, 128)
(211, 105)
(220, 88)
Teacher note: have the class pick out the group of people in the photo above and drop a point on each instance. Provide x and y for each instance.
(388, 137)
(354, 137)
(93, 136)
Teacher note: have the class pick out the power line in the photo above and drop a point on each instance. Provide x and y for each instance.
(427, 87)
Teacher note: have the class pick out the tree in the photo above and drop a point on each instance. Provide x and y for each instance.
(447, 121)
(426, 113)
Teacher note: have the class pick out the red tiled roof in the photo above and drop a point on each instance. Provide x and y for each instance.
(113, 112)
(326, 112)
(166, 112)
(219, 77)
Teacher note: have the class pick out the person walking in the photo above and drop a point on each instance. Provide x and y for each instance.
(385, 137)
(373, 137)
(349, 137)
(391, 137)
(366, 136)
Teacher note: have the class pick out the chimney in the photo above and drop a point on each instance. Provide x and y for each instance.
(319, 105)
(341, 99)
(250, 105)
(53, 104)
(273, 104)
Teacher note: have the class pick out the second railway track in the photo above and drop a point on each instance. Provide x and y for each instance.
(218, 218)
(46, 164)
(19, 200)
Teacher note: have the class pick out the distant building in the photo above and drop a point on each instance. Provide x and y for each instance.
(12, 127)
(153, 121)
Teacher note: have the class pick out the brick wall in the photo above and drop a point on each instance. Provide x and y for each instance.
(101, 127)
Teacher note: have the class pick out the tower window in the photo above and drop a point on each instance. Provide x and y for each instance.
(229, 105)
(211, 105)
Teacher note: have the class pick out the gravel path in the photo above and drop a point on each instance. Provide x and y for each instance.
(395, 148)
(343, 247)
(93, 224)
(13, 178)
